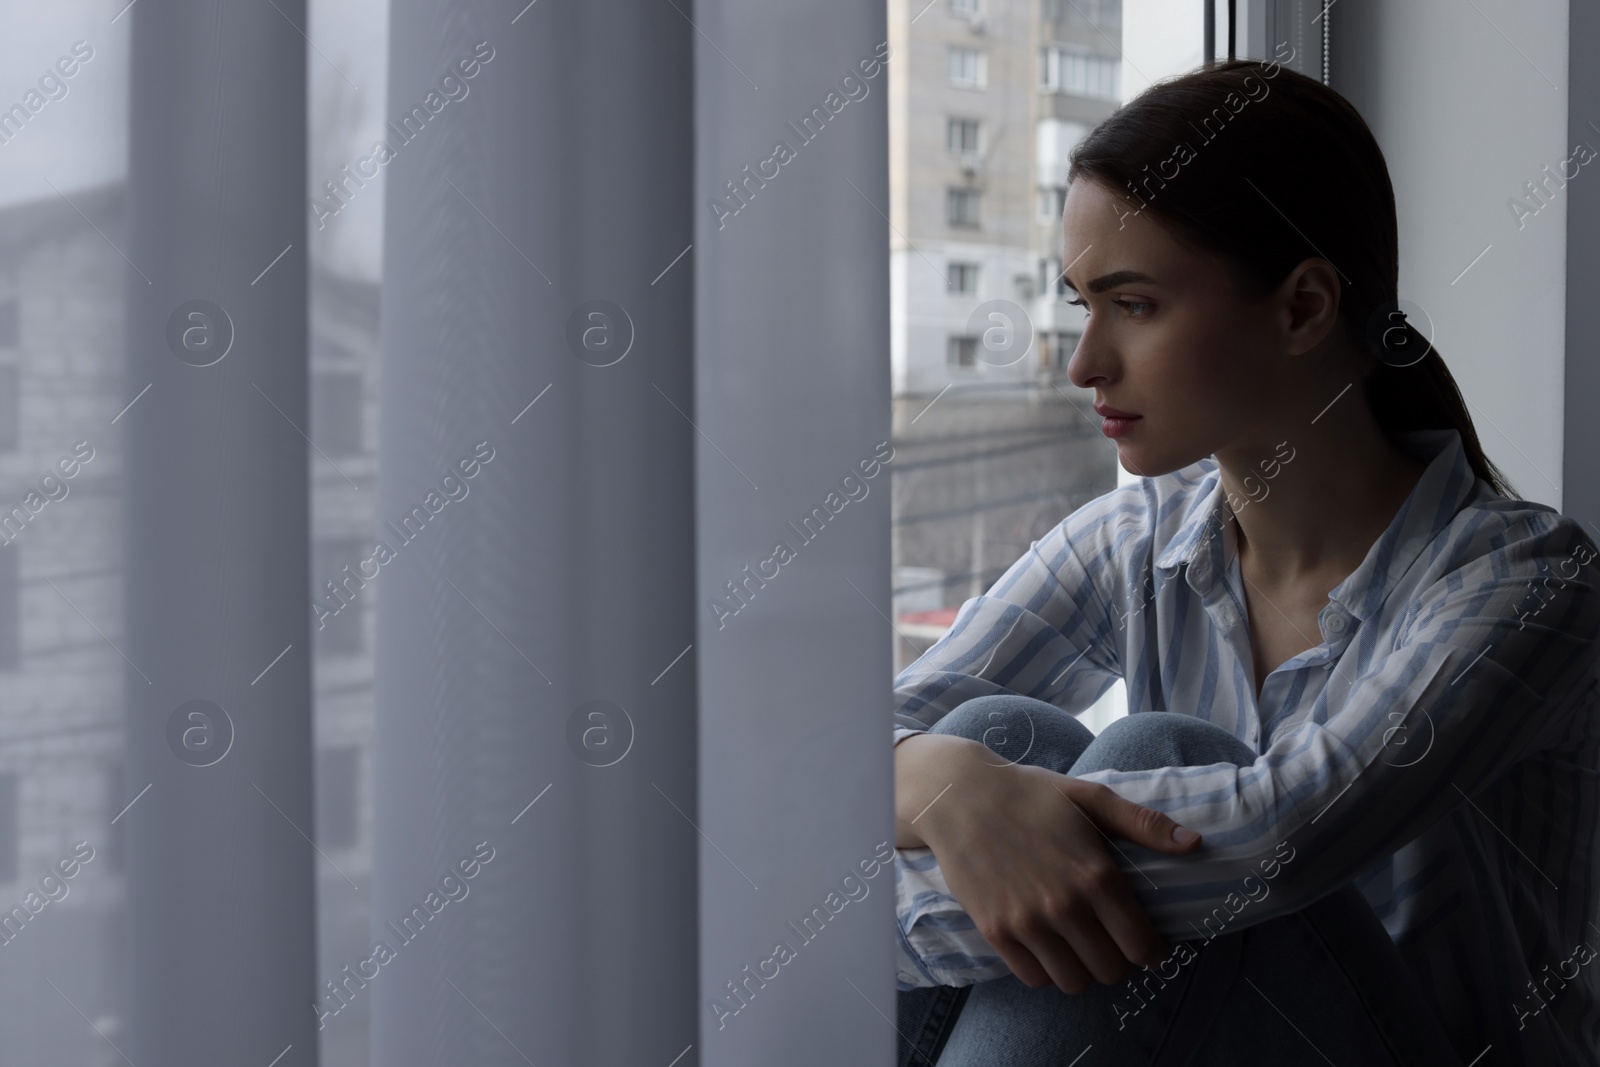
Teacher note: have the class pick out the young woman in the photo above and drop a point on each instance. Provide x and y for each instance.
(1358, 668)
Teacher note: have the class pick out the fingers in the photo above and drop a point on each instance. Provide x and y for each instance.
(1093, 946)
(1126, 923)
(1074, 940)
(1141, 825)
(1073, 954)
(1040, 957)
(1082, 924)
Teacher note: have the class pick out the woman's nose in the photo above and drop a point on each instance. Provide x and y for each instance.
(1088, 364)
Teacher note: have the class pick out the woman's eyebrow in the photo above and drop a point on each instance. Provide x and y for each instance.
(1112, 280)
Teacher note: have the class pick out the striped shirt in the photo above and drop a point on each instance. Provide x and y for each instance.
(1440, 747)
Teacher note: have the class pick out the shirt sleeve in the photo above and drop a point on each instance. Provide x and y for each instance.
(1494, 660)
(1043, 630)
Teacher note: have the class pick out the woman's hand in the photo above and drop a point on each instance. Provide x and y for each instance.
(1022, 849)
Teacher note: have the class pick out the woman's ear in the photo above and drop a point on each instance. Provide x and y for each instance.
(1311, 300)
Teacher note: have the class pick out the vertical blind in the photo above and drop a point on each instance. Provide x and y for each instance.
(404, 407)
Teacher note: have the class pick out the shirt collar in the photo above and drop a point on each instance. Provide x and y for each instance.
(1206, 540)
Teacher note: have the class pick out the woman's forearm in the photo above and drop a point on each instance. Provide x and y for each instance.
(927, 768)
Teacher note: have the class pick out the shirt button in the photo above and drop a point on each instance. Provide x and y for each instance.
(1336, 624)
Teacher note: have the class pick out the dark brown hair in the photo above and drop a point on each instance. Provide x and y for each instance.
(1264, 167)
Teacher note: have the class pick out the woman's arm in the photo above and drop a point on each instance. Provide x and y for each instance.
(1474, 680)
(923, 766)
(1025, 850)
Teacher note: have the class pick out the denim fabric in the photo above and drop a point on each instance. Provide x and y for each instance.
(1325, 984)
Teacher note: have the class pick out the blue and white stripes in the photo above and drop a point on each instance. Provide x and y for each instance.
(1440, 747)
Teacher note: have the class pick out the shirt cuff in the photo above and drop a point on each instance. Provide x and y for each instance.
(903, 732)
(939, 945)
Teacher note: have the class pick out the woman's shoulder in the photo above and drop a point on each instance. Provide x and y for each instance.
(1516, 532)
(1513, 558)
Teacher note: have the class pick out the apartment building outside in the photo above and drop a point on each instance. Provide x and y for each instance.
(994, 445)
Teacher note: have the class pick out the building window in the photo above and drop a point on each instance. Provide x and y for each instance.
(8, 827)
(338, 787)
(963, 137)
(341, 631)
(1050, 276)
(1052, 202)
(962, 351)
(962, 206)
(966, 8)
(9, 331)
(10, 610)
(1057, 349)
(966, 66)
(336, 412)
(963, 277)
(10, 407)
(1102, 14)
(1079, 73)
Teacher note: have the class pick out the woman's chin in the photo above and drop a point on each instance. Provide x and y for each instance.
(1144, 461)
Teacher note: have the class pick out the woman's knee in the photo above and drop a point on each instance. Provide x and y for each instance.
(1019, 729)
(1150, 739)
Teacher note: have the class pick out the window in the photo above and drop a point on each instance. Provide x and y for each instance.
(9, 333)
(964, 8)
(966, 67)
(10, 610)
(962, 351)
(963, 277)
(1102, 14)
(1078, 73)
(338, 779)
(963, 136)
(10, 407)
(962, 206)
(341, 632)
(8, 827)
(1050, 276)
(1057, 349)
(336, 412)
(1052, 202)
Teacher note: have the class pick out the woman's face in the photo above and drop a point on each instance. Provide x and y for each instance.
(1204, 371)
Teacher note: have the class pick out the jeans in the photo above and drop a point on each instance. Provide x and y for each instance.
(1322, 985)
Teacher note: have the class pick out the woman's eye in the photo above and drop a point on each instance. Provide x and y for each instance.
(1127, 305)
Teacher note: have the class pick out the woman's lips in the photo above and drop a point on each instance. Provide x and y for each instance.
(1119, 426)
(1117, 422)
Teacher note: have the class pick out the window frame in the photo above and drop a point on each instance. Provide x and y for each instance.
(969, 272)
(980, 78)
(1053, 71)
(961, 122)
(963, 194)
(959, 345)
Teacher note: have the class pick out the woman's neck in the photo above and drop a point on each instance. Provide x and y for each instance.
(1316, 515)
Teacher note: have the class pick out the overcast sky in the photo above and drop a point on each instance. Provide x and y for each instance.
(80, 140)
